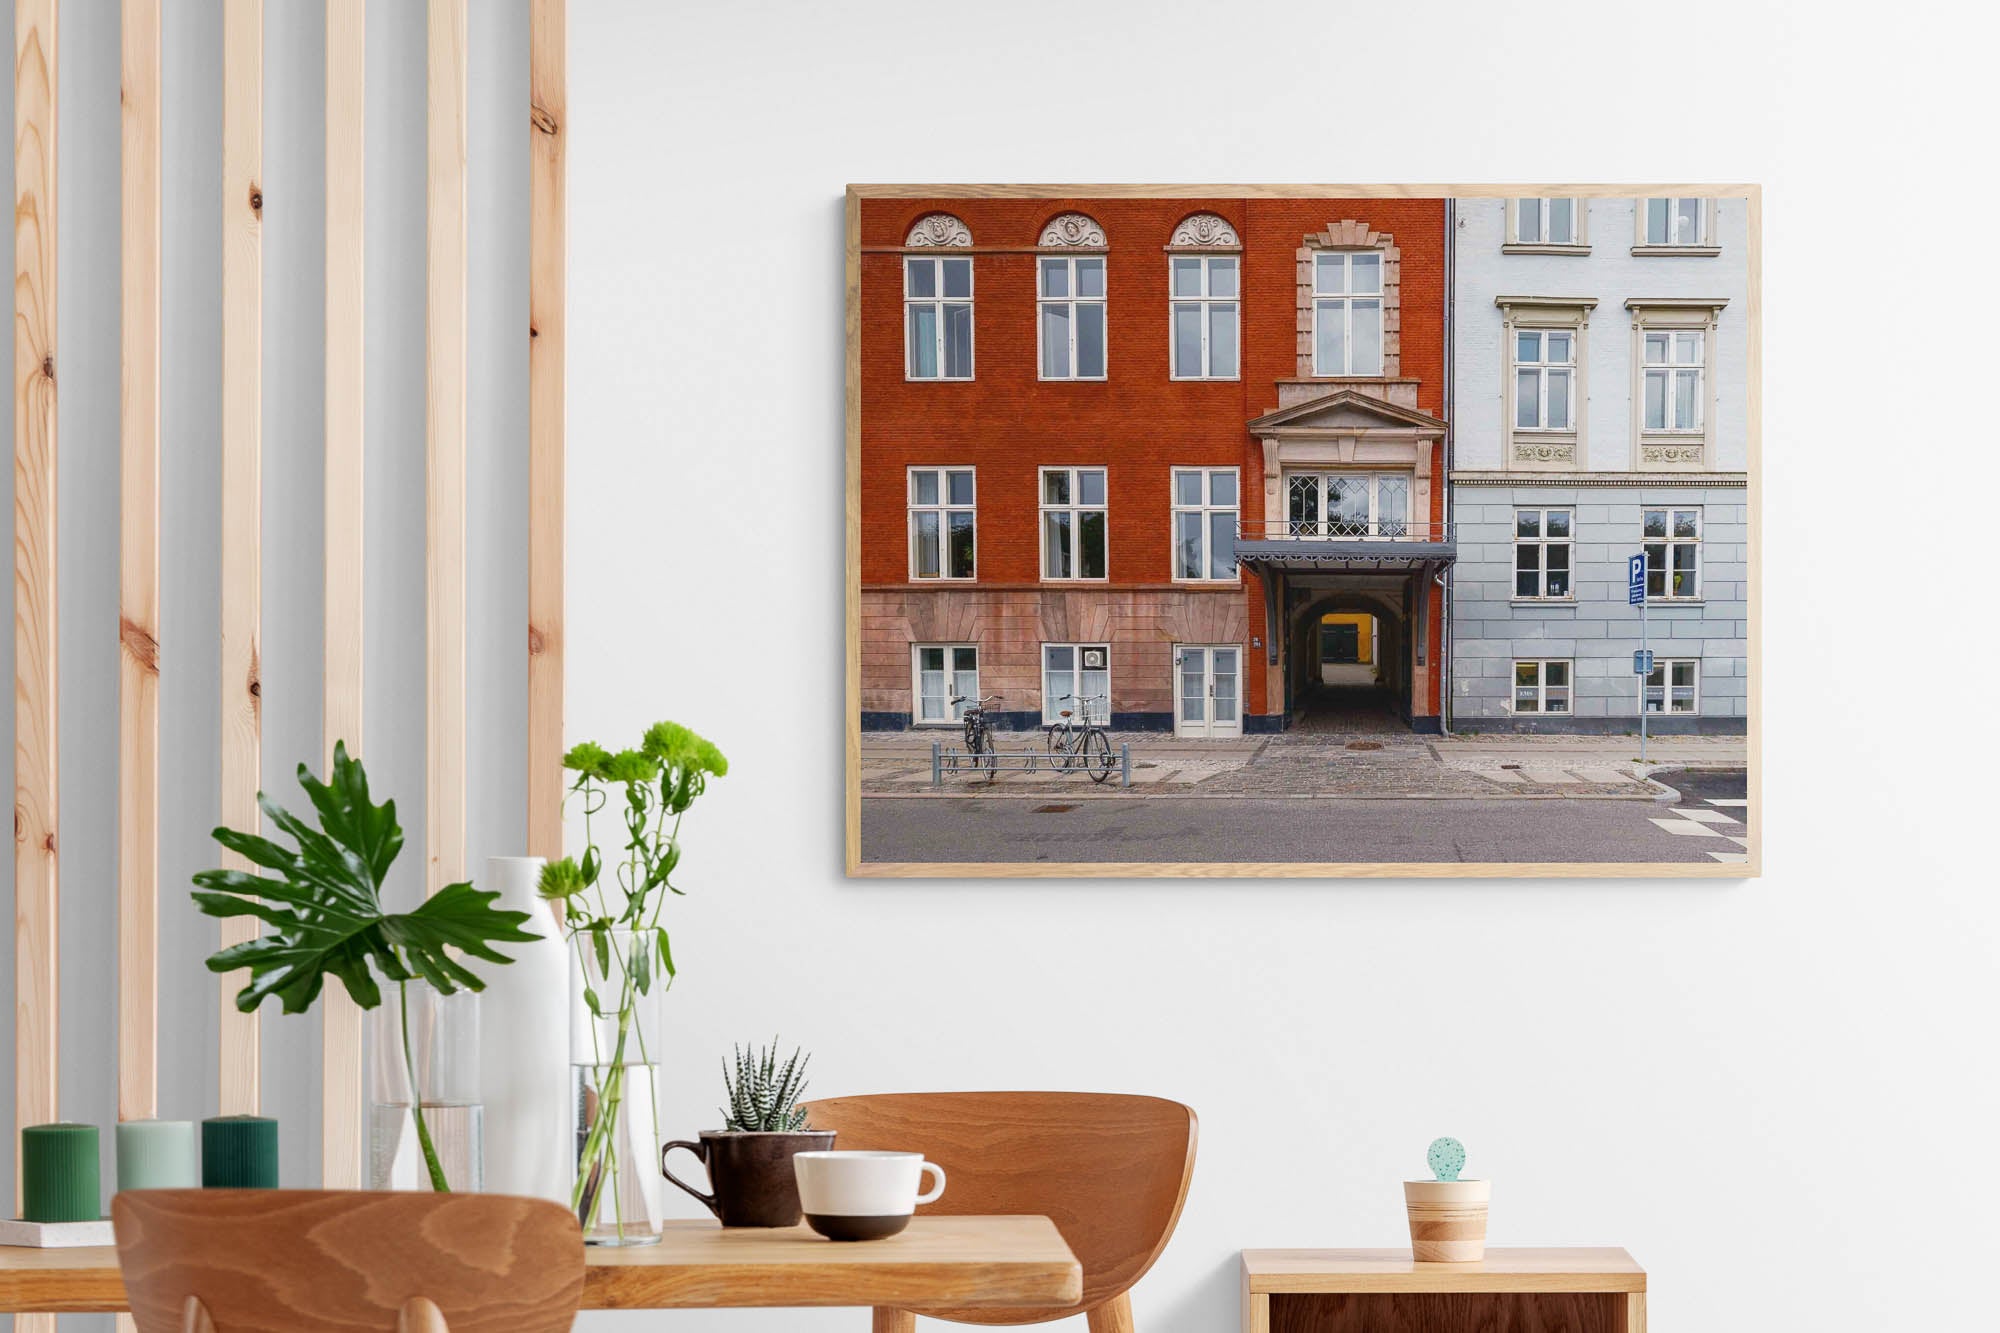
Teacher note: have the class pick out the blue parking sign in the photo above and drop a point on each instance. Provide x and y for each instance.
(1635, 581)
(1642, 662)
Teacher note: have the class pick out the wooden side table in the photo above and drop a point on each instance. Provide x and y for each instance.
(1385, 1291)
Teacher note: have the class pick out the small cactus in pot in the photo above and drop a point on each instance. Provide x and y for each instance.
(1447, 1214)
(749, 1160)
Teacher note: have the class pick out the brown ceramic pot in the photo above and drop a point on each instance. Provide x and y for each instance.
(750, 1174)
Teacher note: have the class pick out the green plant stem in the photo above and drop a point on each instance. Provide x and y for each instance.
(431, 1162)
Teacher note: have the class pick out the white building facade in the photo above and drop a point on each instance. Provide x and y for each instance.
(1599, 411)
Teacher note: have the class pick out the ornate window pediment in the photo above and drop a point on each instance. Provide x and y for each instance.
(937, 230)
(1072, 231)
(1369, 291)
(1204, 231)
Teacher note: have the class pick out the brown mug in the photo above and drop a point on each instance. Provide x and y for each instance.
(750, 1174)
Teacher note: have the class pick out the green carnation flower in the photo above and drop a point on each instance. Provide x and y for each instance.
(588, 758)
(561, 879)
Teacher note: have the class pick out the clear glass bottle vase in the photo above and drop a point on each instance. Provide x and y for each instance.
(436, 1036)
(614, 1054)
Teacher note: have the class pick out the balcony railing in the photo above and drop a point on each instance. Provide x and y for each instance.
(1343, 530)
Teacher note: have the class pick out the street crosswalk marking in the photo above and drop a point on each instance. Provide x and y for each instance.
(1731, 858)
(1701, 823)
(1687, 828)
(1708, 816)
(1730, 802)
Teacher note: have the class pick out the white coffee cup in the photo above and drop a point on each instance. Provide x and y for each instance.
(862, 1195)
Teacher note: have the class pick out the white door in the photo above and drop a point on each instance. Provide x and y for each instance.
(1208, 694)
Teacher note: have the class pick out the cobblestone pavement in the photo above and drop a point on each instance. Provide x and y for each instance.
(1301, 763)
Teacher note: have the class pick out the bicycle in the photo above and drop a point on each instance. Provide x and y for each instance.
(978, 738)
(1074, 746)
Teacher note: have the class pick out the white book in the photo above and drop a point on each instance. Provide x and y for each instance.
(55, 1235)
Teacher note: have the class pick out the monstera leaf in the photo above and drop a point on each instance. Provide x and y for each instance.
(322, 909)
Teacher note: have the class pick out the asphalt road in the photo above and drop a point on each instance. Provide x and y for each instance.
(1167, 829)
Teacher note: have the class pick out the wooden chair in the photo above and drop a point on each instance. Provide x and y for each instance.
(1111, 1171)
(327, 1261)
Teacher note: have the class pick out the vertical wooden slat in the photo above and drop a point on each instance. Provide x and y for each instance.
(548, 65)
(242, 410)
(445, 368)
(139, 564)
(36, 984)
(342, 1129)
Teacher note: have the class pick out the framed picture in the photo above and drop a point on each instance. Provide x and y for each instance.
(1287, 531)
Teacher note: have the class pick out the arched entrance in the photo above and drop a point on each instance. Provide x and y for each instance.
(1347, 662)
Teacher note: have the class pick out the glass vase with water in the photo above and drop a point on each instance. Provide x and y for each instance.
(617, 982)
(428, 1043)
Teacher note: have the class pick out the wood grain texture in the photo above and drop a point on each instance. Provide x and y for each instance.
(1448, 1312)
(851, 662)
(548, 224)
(1114, 1316)
(892, 1321)
(1111, 1171)
(987, 1261)
(320, 1261)
(1754, 500)
(139, 563)
(37, 988)
(343, 1128)
(1635, 1313)
(242, 511)
(851, 722)
(1505, 1268)
(444, 475)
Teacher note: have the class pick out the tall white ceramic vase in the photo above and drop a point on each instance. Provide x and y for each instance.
(525, 1045)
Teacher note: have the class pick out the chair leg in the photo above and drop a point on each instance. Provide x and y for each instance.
(1114, 1316)
(894, 1321)
(194, 1317)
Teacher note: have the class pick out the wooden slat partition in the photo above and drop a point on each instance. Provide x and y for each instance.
(548, 65)
(139, 564)
(445, 370)
(36, 981)
(342, 1127)
(242, 408)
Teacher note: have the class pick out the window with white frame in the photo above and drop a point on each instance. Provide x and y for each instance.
(1074, 523)
(1546, 222)
(1347, 312)
(1205, 523)
(1674, 363)
(1544, 379)
(1541, 685)
(943, 542)
(1072, 303)
(937, 317)
(1076, 677)
(944, 672)
(1674, 685)
(1673, 554)
(1542, 539)
(1346, 505)
(1676, 221)
(1204, 316)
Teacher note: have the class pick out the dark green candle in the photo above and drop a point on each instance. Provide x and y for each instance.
(239, 1152)
(59, 1174)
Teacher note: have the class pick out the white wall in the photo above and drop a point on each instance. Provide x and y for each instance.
(1774, 1093)
(1613, 275)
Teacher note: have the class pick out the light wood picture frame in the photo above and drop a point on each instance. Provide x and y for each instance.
(1385, 467)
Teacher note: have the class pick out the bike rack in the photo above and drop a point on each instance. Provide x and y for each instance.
(943, 761)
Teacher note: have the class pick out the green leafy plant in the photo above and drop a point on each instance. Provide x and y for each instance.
(323, 915)
(653, 786)
(764, 1095)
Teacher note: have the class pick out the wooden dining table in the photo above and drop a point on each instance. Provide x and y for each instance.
(938, 1263)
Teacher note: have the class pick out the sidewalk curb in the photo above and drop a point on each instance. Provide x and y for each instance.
(1665, 794)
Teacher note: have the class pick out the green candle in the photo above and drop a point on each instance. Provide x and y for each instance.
(59, 1174)
(158, 1155)
(239, 1152)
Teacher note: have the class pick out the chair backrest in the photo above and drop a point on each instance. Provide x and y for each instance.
(334, 1261)
(1110, 1170)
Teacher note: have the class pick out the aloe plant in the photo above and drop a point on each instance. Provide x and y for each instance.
(323, 915)
(763, 1095)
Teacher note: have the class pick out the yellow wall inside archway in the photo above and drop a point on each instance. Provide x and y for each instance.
(1364, 632)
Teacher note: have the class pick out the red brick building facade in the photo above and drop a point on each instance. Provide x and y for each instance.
(1077, 477)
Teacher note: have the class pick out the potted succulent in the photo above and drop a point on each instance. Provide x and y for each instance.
(749, 1160)
(323, 917)
(1447, 1215)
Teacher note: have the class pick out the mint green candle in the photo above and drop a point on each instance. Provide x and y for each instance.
(239, 1152)
(158, 1155)
(59, 1174)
